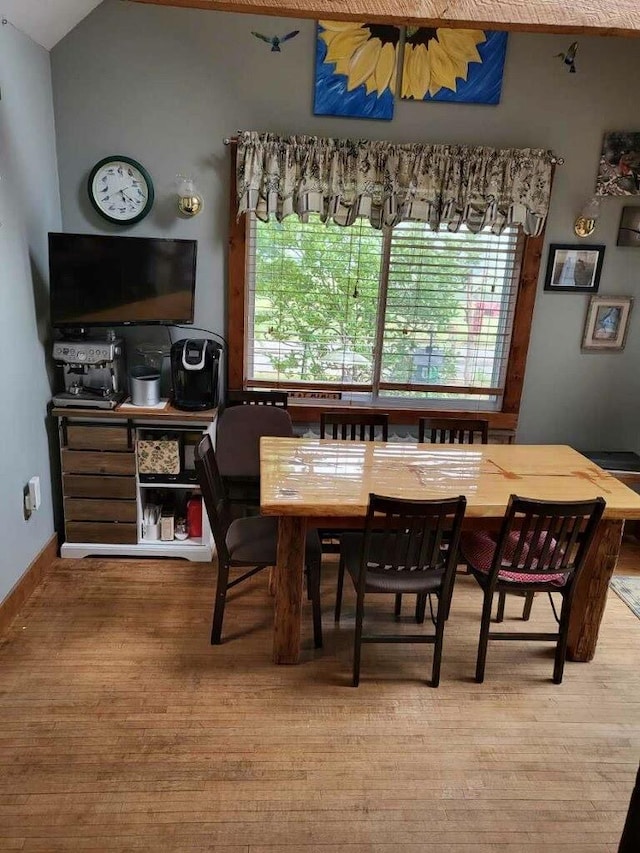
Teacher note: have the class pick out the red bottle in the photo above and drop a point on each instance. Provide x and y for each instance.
(194, 517)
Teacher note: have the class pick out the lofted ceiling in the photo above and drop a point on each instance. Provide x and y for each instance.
(46, 21)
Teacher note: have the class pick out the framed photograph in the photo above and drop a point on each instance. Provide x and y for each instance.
(607, 321)
(574, 268)
(629, 230)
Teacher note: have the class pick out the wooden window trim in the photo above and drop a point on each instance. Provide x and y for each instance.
(301, 411)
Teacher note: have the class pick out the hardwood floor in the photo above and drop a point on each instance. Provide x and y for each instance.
(121, 729)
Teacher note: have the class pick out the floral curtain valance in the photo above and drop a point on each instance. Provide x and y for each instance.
(387, 183)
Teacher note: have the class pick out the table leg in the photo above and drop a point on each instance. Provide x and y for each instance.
(591, 593)
(289, 576)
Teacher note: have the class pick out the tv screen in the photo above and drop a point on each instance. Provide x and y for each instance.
(115, 281)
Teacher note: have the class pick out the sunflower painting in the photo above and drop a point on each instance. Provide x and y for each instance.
(458, 65)
(356, 66)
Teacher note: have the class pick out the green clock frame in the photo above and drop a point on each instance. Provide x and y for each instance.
(147, 178)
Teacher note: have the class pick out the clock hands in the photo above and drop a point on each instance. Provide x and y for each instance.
(130, 198)
(123, 193)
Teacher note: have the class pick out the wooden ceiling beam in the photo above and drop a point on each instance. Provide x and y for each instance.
(591, 17)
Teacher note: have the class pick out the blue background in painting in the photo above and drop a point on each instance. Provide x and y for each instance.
(484, 81)
(331, 97)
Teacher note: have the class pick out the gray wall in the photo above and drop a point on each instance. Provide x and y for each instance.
(29, 208)
(165, 86)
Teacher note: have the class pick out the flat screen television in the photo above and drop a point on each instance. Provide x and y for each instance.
(97, 280)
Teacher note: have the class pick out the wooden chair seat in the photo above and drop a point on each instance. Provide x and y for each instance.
(255, 540)
(379, 580)
(478, 549)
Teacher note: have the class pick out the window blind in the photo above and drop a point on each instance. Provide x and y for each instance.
(403, 312)
(449, 308)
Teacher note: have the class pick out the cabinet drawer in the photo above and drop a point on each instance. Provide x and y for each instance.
(101, 532)
(93, 462)
(86, 486)
(79, 509)
(97, 438)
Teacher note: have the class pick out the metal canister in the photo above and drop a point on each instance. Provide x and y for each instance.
(144, 385)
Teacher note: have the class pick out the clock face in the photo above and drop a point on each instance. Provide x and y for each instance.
(121, 190)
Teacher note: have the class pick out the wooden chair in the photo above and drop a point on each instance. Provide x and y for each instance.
(453, 431)
(349, 426)
(238, 434)
(541, 547)
(407, 546)
(257, 398)
(247, 543)
(354, 426)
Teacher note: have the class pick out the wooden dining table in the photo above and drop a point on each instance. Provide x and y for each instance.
(326, 483)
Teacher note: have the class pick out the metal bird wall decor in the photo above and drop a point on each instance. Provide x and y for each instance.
(275, 41)
(569, 58)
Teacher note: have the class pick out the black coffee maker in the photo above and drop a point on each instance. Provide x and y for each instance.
(195, 368)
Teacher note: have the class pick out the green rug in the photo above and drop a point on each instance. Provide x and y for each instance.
(628, 589)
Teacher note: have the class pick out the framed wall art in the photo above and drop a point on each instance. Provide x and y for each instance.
(619, 170)
(629, 230)
(356, 68)
(574, 268)
(460, 66)
(605, 329)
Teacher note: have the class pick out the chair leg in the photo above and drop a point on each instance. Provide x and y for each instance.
(218, 610)
(357, 646)
(528, 604)
(561, 648)
(437, 649)
(484, 636)
(313, 581)
(502, 598)
(447, 603)
(397, 611)
(339, 589)
(421, 608)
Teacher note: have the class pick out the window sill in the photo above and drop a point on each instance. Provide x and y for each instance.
(309, 412)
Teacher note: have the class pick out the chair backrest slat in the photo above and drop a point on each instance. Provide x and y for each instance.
(546, 537)
(354, 426)
(453, 431)
(213, 493)
(411, 536)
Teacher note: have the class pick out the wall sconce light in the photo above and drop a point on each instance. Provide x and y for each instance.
(585, 224)
(189, 200)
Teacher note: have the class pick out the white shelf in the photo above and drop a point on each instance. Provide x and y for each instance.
(195, 553)
(172, 543)
(169, 485)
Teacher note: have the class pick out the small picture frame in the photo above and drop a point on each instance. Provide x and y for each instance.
(605, 329)
(574, 268)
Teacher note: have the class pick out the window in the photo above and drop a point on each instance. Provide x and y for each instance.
(407, 315)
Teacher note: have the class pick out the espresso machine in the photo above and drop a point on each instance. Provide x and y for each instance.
(94, 373)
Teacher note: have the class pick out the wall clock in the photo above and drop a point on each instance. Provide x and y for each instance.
(121, 190)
